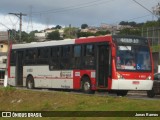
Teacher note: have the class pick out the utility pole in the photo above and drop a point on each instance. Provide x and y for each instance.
(19, 15)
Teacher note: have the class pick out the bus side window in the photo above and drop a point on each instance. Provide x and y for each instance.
(54, 61)
(66, 54)
(30, 56)
(89, 56)
(43, 55)
(77, 56)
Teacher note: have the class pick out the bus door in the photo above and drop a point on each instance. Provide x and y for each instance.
(19, 68)
(102, 70)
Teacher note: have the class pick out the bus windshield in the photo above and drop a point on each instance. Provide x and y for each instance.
(133, 58)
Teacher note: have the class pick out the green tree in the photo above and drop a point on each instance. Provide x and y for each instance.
(54, 36)
(83, 26)
(58, 27)
(130, 31)
(102, 33)
(70, 32)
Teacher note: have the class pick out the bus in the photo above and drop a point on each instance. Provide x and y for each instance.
(111, 63)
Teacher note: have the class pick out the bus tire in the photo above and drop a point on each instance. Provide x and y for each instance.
(86, 86)
(150, 93)
(30, 82)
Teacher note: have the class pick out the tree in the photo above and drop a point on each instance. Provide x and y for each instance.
(83, 26)
(123, 23)
(70, 32)
(129, 31)
(58, 27)
(102, 33)
(85, 34)
(54, 36)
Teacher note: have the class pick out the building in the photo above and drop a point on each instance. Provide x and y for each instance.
(42, 36)
(3, 54)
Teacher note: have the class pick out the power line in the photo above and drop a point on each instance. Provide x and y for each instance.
(139, 17)
(5, 26)
(80, 6)
(144, 7)
(19, 15)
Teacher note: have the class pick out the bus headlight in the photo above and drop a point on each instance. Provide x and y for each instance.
(119, 76)
(149, 77)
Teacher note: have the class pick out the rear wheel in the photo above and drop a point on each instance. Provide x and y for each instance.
(86, 86)
(30, 82)
(150, 93)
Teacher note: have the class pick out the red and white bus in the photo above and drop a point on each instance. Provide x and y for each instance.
(112, 63)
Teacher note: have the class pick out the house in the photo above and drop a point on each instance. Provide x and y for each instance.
(41, 36)
(3, 59)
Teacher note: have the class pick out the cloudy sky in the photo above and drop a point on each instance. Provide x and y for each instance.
(47, 13)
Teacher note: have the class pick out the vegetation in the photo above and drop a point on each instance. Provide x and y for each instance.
(73, 32)
(83, 26)
(26, 100)
(70, 32)
(129, 31)
(26, 37)
(55, 35)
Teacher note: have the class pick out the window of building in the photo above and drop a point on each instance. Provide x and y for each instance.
(1, 46)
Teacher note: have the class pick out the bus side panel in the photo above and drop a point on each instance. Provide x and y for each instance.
(79, 74)
(44, 78)
(11, 78)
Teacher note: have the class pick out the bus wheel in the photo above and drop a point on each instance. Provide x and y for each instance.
(122, 93)
(30, 82)
(150, 93)
(86, 86)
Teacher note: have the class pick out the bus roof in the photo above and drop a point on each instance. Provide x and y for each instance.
(63, 42)
(43, 44)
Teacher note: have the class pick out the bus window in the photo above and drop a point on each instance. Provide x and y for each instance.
(55, 52)
(55, 58)
(65, 59)
(66, 51)
(77, 56)
(77, 51)
(89, 56)
(143, 59)
(43, 54)
(89, 50)
(30, 56)
(133, 58)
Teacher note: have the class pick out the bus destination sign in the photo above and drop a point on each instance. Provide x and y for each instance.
(129, 40)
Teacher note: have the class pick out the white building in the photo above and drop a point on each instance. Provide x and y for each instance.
(43, 34)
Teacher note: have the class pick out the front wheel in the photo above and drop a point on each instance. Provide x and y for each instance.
(30, 82)
(86, 86)
(150, 93)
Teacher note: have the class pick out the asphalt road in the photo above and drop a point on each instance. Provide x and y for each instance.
(131, 94)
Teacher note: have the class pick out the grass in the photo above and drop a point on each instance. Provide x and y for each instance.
(12, 99)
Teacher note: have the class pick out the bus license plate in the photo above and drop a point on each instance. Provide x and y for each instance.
(135, 82)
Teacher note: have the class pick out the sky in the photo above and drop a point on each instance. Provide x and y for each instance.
(42, 14)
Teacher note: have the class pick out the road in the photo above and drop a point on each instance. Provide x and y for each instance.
(131, 94)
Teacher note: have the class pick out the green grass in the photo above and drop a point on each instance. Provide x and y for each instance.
(25, 100)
